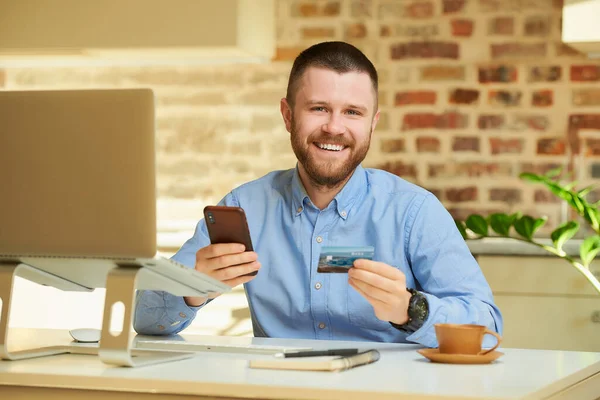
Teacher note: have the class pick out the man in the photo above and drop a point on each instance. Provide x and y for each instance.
(422, 272)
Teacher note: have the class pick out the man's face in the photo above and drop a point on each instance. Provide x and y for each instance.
(331, 123)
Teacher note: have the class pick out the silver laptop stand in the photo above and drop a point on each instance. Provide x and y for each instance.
(121, 285)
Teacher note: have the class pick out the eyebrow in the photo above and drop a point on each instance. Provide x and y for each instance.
(324, 103)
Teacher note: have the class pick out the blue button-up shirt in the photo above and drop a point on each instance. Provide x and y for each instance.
(408, 227)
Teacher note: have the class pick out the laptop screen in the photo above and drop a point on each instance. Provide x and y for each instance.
(78, 173)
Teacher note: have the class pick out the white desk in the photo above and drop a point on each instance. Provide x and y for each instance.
(400, 373)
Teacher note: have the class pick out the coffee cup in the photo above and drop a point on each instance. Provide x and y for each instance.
(463, 338)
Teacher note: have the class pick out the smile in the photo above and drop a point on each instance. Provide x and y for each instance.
(330, 147)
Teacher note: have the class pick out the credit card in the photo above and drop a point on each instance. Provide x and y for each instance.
(340, 259)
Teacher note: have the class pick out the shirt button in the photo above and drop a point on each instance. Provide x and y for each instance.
(182, 315)
(319, 239)
(318, 285)
(343, 213)
(299, 209)
(321, 325)
(161, 327)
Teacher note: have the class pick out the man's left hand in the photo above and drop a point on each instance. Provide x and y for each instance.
(384, 287)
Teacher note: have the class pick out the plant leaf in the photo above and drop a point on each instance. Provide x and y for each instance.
(585, 191)
(563, 233)
(570, 186)
(529, 176)
(526, 226)
(477, 224)
(501, 223)
(588, 250)
(554, 172)
(461, 228)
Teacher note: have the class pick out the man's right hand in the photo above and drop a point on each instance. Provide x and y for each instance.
(226, 262)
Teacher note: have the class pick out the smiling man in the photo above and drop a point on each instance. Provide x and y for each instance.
(422, 272)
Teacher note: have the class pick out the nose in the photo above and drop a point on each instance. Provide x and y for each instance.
(334, 125)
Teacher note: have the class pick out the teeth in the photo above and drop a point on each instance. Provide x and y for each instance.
(333, 147)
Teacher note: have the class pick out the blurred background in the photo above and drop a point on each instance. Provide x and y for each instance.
(472, 93)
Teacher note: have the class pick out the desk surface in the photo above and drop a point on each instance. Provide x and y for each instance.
(401, 371)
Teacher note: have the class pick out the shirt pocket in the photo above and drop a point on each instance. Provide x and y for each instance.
(361, 313)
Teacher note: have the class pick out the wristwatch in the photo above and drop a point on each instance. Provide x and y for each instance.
(418, 311)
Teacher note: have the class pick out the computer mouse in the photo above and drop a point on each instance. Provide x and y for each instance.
(86, 335)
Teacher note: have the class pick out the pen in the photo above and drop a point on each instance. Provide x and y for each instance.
(316, 353)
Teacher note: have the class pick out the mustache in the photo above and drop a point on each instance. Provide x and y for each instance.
(332, 140)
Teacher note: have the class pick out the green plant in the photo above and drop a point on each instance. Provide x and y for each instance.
(523, 227)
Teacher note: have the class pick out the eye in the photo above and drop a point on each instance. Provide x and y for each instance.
(354, 112)
(318, 108)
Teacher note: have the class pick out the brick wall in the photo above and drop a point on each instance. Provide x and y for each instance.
(473, 92)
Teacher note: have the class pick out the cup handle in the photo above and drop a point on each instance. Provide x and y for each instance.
(498, 340)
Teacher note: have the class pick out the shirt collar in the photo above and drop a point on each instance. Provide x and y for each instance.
(353, 190)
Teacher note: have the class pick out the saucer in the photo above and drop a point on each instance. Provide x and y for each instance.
(435, 356)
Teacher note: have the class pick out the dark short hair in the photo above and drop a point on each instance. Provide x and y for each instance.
(340, 57)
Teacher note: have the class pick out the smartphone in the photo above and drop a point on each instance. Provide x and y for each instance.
(228, 225)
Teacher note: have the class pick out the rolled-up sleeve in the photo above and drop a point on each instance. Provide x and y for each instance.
(448, 274)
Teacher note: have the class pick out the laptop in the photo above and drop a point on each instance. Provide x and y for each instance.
(78, 187)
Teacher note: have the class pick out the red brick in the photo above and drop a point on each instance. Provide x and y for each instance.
(470, 169)
(490, 121)
(436, 192)
(558, 4)
(535, 122)
(453, 6)
(424, 50)
(361, 8)
(544, 74)
(318, 33)
(415, 97)
(537, 26)
(518, 50)
(462, 195)
(392, 146)
(399, 168)
(551, 146)
(287, 53)
(585, 73)
(449, 120)
(428, 145)
(500, 74)
(545, 196)
(441, 73)
(501, 26)
(592, 147)
(506, 146)
(563, 49)
(419, 9)
(462, 213)
(506, 195)
(320, 9)
(586, 97)
(539, 169)
(356, 31)
(542, 98)
(385, 31)
(462, 27)
(505, 97)
(584, 121)
(464, 96)
(2, 78)
(465, 144)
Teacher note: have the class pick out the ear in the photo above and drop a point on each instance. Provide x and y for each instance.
(375, 120)
(286, 113)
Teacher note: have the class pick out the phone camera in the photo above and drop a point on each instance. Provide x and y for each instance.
(211, 218)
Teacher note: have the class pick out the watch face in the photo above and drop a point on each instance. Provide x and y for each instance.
(419, 308)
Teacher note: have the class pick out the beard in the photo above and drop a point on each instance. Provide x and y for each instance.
(329, 174)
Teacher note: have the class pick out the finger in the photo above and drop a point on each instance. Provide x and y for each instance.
(217, 250)
(226, 274)
(372, 300)
(374, 279)
(372, 291)
(240, 280)
(380, 268)
(231, 260)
